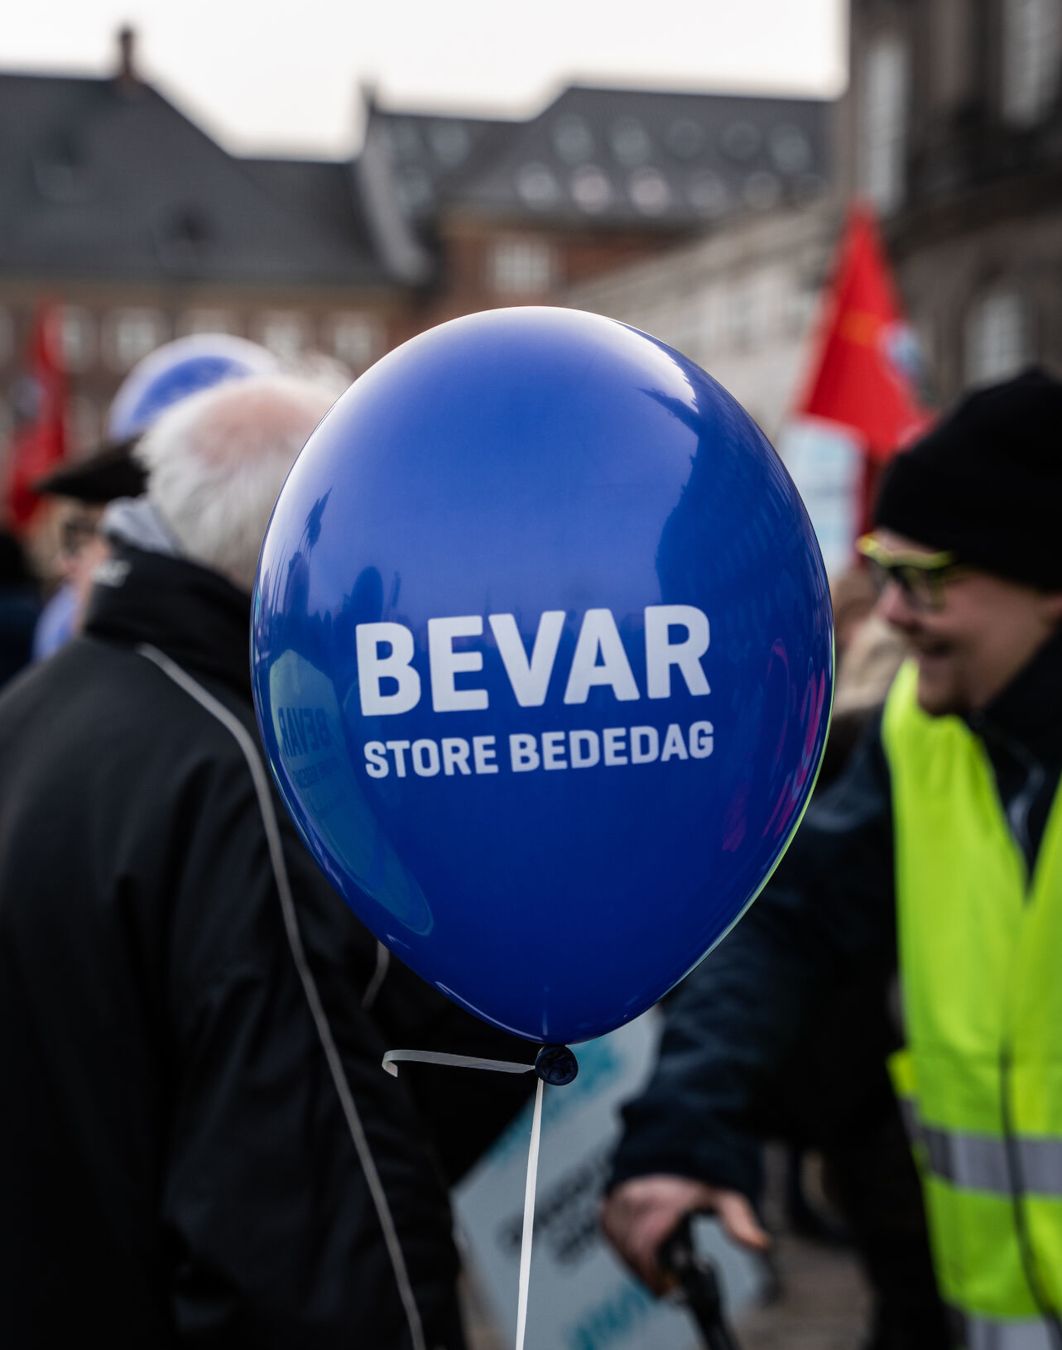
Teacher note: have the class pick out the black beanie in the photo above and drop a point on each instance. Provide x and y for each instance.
(986, 482)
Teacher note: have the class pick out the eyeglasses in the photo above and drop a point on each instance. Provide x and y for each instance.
(921, 576)
(74, 533)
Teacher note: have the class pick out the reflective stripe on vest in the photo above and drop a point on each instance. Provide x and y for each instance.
(983, 1334)
(979, 1162)
(979, 946)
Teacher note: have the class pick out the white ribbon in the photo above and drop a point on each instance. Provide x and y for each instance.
(395, 1057)
(529, 1217)
(391, 1062)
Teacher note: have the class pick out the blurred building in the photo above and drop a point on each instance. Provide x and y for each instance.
(515, 212)
(743, 302)
(119, 208)
(740, 301)
(953, 129)
(122, 211)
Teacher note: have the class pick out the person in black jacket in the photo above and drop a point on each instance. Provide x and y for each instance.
(741, 1056)
(198, 1145)
(19, 607)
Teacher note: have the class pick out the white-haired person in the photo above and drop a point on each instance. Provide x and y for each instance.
(197, 1144)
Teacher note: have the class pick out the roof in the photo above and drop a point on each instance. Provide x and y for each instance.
(616, 157)
(433, 154)
(108, 179)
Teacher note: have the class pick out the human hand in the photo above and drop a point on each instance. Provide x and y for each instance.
(638, 1215)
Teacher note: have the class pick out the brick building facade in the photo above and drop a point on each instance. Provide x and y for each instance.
(123, 212)
(953, 128)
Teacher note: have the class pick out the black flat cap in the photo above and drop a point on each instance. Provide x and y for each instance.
(101, 477)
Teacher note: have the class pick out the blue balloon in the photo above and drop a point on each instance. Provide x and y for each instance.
(543, 662)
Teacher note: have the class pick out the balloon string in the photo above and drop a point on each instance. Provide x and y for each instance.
(529, 1217)
(391, 1061)
(395, 1057)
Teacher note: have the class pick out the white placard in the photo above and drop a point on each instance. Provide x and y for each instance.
(581, 1297)
(826, 464)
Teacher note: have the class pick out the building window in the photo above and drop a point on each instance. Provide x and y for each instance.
(591, 188)
(998, 339)
(631, 144)
(883, 121)
(800, 306)
(450, 141)
(648, 190)
(954, 62)
(572, 139)
(284, 333)
(522, 266)
(763, 291)
(1032, 49)
(77, 338)
(707, 311)
(207, 321)
(679, 323)
(132, 334)
(738, 316)
(85, 424)
(356, 339)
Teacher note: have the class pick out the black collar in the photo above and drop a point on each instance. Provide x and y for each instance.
(1029, 709)
(192, 614)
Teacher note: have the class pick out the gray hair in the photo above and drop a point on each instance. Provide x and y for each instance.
(217, 460)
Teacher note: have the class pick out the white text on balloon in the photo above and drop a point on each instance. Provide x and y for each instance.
(385, 656)
(454, 756)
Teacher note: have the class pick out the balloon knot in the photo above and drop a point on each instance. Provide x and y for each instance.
(556, 1065)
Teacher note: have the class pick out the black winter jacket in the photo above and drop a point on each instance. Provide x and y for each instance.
(759, 1041)
(175, 1164)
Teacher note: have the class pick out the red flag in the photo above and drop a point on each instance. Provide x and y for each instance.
(39, 445)
(862, 375)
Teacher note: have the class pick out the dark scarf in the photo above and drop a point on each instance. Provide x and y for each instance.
(192, 614)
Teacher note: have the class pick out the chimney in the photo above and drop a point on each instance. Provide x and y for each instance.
(126, 75)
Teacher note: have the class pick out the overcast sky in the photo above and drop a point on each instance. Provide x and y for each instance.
(283, 75)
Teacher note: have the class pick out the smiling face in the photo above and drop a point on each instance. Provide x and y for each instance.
(985, 630)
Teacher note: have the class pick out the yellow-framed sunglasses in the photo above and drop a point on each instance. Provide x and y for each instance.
(921, 576)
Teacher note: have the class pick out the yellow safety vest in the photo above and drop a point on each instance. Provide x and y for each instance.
(980, 952)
